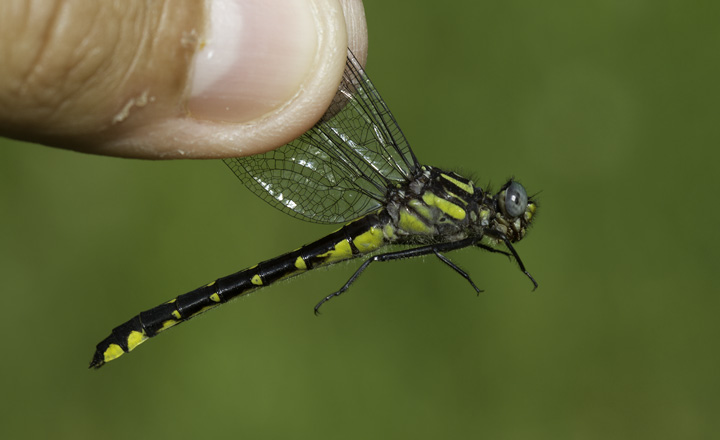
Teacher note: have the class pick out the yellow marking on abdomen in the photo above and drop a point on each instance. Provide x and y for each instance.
(462, 185)
(445, 206)
(167, 324)
(256, 280)
(215, 298)
(136, 338)
(300, 264)
(369, 240)
(341, 251)
(113, 351)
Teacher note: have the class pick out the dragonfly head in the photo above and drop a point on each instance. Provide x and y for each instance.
(514, 211)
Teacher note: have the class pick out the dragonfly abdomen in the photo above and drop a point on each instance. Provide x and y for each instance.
(355, 239)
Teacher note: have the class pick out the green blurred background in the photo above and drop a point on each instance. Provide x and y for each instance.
(610, 108)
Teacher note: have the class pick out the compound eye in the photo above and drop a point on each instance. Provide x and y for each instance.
(516, 200)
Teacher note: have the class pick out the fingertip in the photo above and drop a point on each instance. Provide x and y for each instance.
(166, 81)
(234, 119)
(299, 76)
(253, 57)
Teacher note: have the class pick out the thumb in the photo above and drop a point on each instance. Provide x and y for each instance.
(185, 78)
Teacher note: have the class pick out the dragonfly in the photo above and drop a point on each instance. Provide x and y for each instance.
(354, 167)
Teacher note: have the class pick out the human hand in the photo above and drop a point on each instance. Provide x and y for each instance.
(165, 80)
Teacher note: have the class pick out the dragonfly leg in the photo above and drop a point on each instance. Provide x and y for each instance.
(493, 250)
(406, 253)
(515, 255)
(454, 267)
(347, 285)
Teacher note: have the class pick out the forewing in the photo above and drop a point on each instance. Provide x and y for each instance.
(342, 167)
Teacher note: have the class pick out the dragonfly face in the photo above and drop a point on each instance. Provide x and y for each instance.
(514, 212)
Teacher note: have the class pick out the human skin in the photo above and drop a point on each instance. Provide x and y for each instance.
(173, 79)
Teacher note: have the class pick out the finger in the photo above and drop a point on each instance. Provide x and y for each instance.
(172, 79)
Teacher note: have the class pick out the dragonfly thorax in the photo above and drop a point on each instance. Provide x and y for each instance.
(435, 205)
(442, 206)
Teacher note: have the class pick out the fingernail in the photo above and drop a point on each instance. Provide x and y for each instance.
(255, 57)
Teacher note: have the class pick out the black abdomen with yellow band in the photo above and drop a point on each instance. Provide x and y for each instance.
(353, 240)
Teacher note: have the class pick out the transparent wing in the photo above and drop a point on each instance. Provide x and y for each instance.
(342, 167)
